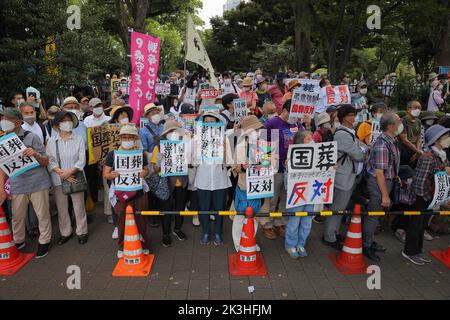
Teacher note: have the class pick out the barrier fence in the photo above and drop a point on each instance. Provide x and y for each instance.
(293, 214)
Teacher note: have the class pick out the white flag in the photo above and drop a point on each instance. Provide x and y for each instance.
(195, 51)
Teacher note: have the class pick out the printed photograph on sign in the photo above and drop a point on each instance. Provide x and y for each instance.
(128, 164)
(162, 89)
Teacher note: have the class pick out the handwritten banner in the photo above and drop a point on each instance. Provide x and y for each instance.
(129, 165)
(441, 189)
(260, 182)
(312, 157)
(211, 141)
(175, 157)
(162, 89)
(211, 93)
(12, 161)
(337, 95)
(240, 109)
(101, 140)
(144, 62)
(304, 99)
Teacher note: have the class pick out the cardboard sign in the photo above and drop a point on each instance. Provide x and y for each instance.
(129, 164)
(240, 109)
(101, 140)
(12, 161)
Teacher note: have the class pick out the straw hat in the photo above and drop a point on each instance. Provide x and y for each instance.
(248, 82)
(170, 126)
(323, 118)
(70, 100)
(149, 107)
(293, 83)
(117, 110)
(250, 123)
(128, 129)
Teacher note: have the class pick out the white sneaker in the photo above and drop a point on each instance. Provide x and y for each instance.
(110, 220)
(195, 221)
(427, 236)
(400, 234)
(119, 254)
(115, 234)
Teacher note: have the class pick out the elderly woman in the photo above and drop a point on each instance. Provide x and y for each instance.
(137, 199)
(437, 139)
(67, 156)
(121, 114)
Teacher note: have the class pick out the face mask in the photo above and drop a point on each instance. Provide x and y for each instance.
(445, 143)
(337, 124)
(156, 118)
(227, 81)
(124, 121)
(195, 83)
(30, 120)
(7, 125)
(415, 113)
(363, 91)
(66, 126)
(327, 125)
(97, 111)
(247, 88)
(379, 115)
(400, 129)
(127, 144)
(429, 122)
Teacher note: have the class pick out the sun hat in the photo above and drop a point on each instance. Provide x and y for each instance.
(70, 100)
(213, 114)
(428, 115)
(118, 102)
(12, 113)
(51, 112)
(432, 76)
(248, 82)
(250, 123)
(303, 74)
(149, 107)
(345, 110)
(322, 118)
(169, 126)
(61, 114)
(433, 133)
(117, 110)
(293, 83)
(128, 129)
(94, 102)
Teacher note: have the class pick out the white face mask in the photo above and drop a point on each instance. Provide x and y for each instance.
(363, 91)
(66, 126)
(124, 121)
(247, 88)
(30, 119)
(429, 122)
(97, 111)
(127, 144)
(156, 118)
(227, 81)
(327, 125)
(445, 143)
(400, 129)
(415, 113)
(7, 125)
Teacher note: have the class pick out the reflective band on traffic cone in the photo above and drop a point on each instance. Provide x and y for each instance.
(11, 260)
(443, 256)
(351, 260)
(134, 263)
(247, 262)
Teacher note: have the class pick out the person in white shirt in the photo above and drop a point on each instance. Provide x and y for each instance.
(98, 117)
(228, 85)
(30, 123)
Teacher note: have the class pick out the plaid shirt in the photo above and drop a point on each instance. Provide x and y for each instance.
(423, 182)
(385, 156)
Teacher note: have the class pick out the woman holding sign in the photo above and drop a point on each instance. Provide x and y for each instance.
(136, 168)
(423, 186)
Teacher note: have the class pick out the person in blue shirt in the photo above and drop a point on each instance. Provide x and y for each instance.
(152, 130)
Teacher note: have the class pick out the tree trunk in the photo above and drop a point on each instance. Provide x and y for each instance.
(443, 57)
(302, 36)
(135, 11)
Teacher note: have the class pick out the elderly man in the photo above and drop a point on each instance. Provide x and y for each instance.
(382, 167)
(30, 186)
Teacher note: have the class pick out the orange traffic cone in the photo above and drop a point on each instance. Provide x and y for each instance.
(351, 260)
(443, 256)
(247, 262)
(11, 260)
(134, 263)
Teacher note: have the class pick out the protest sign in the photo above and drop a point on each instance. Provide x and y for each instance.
(175, 157)
(211, 141)
(143, 122)
(337, 95)
(101, 140)
(123, 87)
(260, 182)
(441, 189)
(312, 157)
(114, 87)
(162, 89)
(210, 108)
(188, 121)
(211, 93)
(375, 132)
(129, 165)
(304, 99)
(311, 173)
(12, 161)
(33, 92)
(240, 109)
(144, 62)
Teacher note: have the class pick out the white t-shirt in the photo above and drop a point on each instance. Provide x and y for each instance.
(212, 177)
(36, 129)
(321, 103)
(92, 121)
(231, 88)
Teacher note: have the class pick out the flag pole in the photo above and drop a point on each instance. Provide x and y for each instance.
(185, 47)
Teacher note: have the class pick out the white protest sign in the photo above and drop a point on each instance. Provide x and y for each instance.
(12, 161)
(162, 89)
(212, 138)
(375, 132)
(304, 99)
(337, 95)
(129, 164)
(312, 157)
(260, 182)
(441, 189)
(30, 91)
(174, 157)
(314, 187)
(240, 109)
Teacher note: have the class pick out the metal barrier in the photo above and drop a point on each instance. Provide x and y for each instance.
(293, 214)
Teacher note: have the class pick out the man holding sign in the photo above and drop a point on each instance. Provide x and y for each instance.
(28, 183)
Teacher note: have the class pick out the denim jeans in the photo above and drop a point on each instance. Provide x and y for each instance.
(212, 201)
(298, 228)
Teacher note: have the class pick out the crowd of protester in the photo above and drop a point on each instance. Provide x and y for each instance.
(402, 160)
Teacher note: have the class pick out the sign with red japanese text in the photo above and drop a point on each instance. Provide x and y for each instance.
(129, 165)
(162, 89)
(260, 182)
(311, 173)
(211, 93)
(175, 157)
(337, 95)
(144, 62)
(12, 161)
(304, 99)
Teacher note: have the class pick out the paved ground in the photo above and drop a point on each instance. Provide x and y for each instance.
(190, 271)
